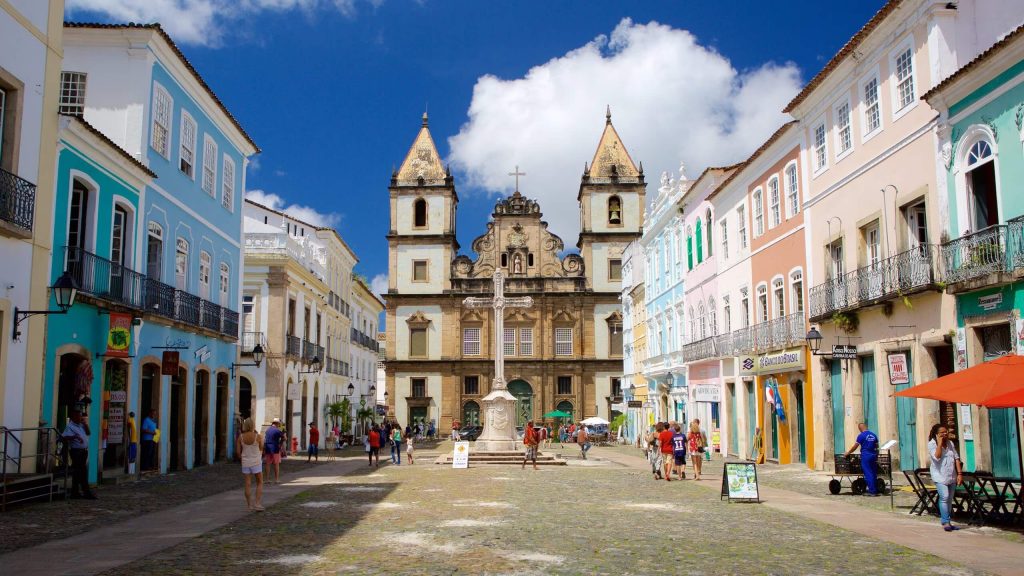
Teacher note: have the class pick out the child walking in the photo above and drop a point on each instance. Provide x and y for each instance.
(408, 448)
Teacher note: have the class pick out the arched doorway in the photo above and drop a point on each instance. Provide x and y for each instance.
(74, 382)
(149, 390)
(524, 400)
(115, 413)
(566, 406)
(471, 413)
(245, 397)
(201, 418)
(980, 178)
(222, 415)
(177, 421)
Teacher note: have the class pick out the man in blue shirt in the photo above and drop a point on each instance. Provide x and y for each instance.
(273, 443)
(148, 442)
(868, 442)
(77, 436)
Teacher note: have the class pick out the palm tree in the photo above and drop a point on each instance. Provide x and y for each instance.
(363, 414)
(346, 415)
(335, 410)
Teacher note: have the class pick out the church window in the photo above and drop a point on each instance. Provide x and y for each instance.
(526, 341)
(419, 208)
(509, 341)
(419, 270)
(529, 260)
(471, 385)
(418, 342)
(504, 260)
(615, 211)
(419, 387)
(564, 385)
(563, 341)
(615, 269)
(471, 341)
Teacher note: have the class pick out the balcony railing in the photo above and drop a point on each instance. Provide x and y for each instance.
(250, 340)
(209, 315)
(699, 350)
(996, 249)
(293, 346)
(229, 323)
(186, 307)
(907, 271)
(780, 332)
(17, 201)
(310, 351)
(106, 280)
(160, 298)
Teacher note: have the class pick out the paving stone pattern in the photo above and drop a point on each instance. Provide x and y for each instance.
(430, 519)
(32, 524)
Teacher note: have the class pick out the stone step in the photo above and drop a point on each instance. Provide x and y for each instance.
(503, 458)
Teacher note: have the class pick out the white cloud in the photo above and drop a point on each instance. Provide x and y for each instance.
(204, 22)
(379, 284)
(304, 213)
(672, 100)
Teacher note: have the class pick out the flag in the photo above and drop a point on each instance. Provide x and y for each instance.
(779, 409)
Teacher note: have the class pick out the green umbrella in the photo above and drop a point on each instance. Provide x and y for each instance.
(557, 414)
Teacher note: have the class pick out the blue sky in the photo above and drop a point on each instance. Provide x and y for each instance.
(333, 91)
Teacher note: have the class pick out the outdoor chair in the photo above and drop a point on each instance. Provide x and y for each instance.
(927, 498)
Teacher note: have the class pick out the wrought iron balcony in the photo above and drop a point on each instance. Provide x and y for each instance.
(250, 340)
(229, 322)
(209, 315)
(159, 298)
(908, 271)
(310, 351)
(995, 250)
(780, 332)
(105, 280)
(700, 350)
(293, 346)
(743, 340)
(17, 203)
(186, 307)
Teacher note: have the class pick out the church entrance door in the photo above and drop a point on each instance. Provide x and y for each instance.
(524, 400)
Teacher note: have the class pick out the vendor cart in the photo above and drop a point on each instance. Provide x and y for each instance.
(849, 471)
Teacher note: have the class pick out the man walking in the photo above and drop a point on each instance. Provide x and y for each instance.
(396, 445)
(582, 440)
(868, 443)
(148, 442)
(530, 442)
(373, 439)
(273, 445)
(77, 435)
(313, 449)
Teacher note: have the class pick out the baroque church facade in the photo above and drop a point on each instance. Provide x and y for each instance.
(564, 352)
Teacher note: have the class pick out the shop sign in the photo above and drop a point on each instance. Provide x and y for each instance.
(169, 363)
(118, 396)
(1020, 336)
(965, 422)
(460, 455)
(990, 302)
(844, 352)
(773, 363)
(115, 425)
(707, 393)
(119, 335)
(899, 372)
(636, 404)
(739, 481)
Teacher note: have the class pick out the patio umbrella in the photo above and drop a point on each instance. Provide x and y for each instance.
(997, 383)
(557, 414)
(595, 421)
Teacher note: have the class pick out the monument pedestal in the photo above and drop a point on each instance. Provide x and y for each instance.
(499, 433)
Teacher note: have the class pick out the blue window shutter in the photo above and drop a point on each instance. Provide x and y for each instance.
(700, 243)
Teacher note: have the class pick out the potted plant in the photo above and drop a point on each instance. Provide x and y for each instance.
(846, 321)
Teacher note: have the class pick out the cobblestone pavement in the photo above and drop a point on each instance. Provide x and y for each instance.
(605, 519)
(33, 524)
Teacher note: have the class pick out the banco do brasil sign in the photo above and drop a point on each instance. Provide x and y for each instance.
(782, 361)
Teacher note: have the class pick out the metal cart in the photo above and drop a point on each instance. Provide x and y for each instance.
(848, 470)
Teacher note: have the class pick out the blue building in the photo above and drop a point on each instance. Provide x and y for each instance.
(167, 282)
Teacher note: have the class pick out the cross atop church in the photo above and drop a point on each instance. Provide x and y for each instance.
(517, 174)
(499, 302)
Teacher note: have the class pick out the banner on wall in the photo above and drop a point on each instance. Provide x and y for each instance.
(899, 371)
(961, 349)
(119, 335)
(773, 363)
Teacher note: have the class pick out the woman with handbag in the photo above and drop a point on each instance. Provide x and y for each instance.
(695, 446)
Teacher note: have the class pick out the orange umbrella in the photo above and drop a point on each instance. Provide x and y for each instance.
(997, 383)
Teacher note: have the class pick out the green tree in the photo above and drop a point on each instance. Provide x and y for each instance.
(364, 415)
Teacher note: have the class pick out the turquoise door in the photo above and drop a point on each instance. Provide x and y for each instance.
(775, 434)
(734, 440)
(1002, 431)
(869, 393)
(838, 408)
(751, 410)
(906, 421)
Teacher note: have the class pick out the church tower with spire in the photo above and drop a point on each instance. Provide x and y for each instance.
(611, 201)
(421, 237)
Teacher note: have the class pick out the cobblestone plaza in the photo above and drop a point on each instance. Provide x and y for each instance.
(602, 516)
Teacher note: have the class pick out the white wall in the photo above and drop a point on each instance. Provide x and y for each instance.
(433, 313)
(37, 12)
(601, 314)
(403, 389)
(603, 389)
(600, 255)
(631, 211)
(435, 215)
(436, 264)
(117, 91)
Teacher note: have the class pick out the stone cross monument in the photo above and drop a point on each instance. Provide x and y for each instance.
(499, 433)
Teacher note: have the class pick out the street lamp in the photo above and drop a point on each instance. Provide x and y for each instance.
(314, 366)
(814, 341)
(65, 289)
(257, 359)
(351, 389)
